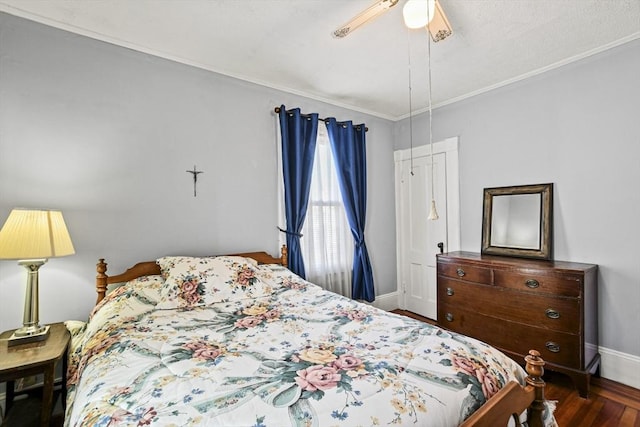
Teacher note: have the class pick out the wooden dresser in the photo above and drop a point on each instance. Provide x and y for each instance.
(520, 304)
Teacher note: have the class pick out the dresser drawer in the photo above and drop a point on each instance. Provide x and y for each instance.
(464, 271)
(521, 304)
(555, 347)
(539, 310)
(532, 280)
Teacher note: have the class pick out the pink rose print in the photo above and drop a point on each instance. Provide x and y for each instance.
(245, 276)
(489, 385)
(248, 322)
(271, 314)
(192, 299)
(288, 283)
(148, 416)
(202, 350)
(189, 292)
(317, 377)
(357, 315)
(464, 365)
(206, 353)
(121, 391)
(189, 286)
(347, 362)
(486, 380)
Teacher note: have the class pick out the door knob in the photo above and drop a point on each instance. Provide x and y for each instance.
(441, 246)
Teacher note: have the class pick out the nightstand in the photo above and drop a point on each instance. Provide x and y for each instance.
(34, 358)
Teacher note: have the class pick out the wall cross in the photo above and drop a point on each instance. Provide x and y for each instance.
(195, 174)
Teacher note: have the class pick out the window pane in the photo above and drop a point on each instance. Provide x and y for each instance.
(327, 243)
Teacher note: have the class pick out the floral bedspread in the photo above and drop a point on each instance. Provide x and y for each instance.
(297, 355)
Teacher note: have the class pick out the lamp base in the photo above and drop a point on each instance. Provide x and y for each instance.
(28, 334)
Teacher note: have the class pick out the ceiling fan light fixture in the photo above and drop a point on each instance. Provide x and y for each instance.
(364, 17)
(418, 13)
(439, 26)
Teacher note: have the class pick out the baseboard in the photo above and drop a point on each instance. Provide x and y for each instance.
(620, 367)
(386, 302)
(614, 365)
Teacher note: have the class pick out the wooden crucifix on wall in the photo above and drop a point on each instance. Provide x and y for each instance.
(195, 174)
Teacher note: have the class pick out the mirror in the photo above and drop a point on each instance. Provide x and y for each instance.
(517, 221)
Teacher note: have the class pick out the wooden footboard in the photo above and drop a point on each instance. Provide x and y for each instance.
(513, 399)
(148, 268)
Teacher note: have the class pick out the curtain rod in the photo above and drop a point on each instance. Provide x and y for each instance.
(277, 111)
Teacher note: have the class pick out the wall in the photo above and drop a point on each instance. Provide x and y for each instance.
(106, 134)
(577, 126)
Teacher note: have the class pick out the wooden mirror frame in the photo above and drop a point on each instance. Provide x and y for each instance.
(545, 247)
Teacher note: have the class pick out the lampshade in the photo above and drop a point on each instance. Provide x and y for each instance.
(31, 234)
(418, 13)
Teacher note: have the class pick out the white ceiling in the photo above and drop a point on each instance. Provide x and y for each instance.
(287, 44)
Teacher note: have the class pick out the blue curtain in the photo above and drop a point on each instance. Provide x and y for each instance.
(349, 152)
(299, 133)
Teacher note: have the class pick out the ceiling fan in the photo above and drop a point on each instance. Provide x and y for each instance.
(415, 14)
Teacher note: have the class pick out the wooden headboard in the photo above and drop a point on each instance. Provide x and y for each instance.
(148, 268)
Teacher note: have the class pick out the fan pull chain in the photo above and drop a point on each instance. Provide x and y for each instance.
(433, 213)
(410, 104)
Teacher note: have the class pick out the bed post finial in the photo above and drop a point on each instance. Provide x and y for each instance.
(535, 369)
(101, 279)
(284, 255)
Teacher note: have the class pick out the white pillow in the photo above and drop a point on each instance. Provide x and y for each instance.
(199, 281)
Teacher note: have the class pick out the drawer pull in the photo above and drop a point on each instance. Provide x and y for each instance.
(532, 283)
(449, 317)
(450, 291)
(460, 272)
(553, 347)
(552, 314)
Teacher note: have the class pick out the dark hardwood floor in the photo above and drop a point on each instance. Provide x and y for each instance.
(610, 404)
(26, 411)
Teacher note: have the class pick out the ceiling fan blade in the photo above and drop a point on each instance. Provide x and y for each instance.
(378, 8)
(439, 27)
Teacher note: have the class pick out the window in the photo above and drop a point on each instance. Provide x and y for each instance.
(327, 242)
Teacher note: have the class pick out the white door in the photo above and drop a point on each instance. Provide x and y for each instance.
(417, 236)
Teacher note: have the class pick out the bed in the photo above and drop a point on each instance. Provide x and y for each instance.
(239, 340)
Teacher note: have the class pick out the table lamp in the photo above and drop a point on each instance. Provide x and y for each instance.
(32, 236)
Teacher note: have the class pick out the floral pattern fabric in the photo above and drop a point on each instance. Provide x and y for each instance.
(300, 356)
(193, 281)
